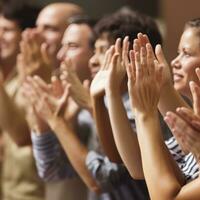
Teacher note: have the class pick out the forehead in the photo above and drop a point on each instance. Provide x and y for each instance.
(8, 23)
(52, 17)
(190, 39)
(77, 32)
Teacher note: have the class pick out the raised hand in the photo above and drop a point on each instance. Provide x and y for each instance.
(167, 74)
(113, 71)
(185, 124)
(97, 87)
(43, 99)
(116, 66)
(78, 91)
(33, 58)
(144, 78)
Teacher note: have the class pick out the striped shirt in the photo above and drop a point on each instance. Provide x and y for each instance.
(187, 163)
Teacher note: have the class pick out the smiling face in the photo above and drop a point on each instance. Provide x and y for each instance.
(51, 24)
(187, 60)
(76, 47)
(10, 36)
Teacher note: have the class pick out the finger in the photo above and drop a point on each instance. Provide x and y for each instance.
(41, 83)
(198, 72)
(86, 84)
(109, 58)
(150, 58)
(125, 49)
(139, 72)
(114, 62)
(195, 90)
(159, 72)
(141, 39)
(159, 54)
(186, 114)
(143, 61)
(170, 119)
(118, 48)
(45, 53)
(57, 88)
(196, 124)
(105, 61)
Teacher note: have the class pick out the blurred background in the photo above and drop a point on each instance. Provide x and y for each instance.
(171, 15)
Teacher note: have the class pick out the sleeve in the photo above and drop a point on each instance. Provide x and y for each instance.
(51, 161)
(106, 173)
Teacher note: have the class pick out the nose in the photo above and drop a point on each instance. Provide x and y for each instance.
(94, 61)
(61, 54)
(175, 63)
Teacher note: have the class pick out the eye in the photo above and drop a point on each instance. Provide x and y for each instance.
(186, 53)
(73, 45)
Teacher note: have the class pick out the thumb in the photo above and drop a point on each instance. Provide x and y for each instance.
(159, 54)
(86, 84)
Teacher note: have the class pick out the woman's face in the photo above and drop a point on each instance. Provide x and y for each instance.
(187, 60)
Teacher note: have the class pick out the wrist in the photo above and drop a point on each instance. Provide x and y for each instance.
(145, 115)
(113, 92)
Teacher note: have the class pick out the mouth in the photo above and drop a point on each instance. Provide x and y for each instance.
(177, 77)
(94, 71)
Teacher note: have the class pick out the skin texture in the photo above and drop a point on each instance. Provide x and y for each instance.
(97, 90)
(10, 36)
(52, 22)
(185, 123)
(188, 58)
(54, 104)
(166, 180)
(75, 46)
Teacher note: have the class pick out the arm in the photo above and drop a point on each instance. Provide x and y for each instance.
(74, 149)
(165, 178)
(100, 112)
(124, 135)
(47, 106)
(12, 114)
(51, 161)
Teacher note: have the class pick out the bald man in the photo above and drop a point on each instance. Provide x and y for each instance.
(52, 22)
(19, 178)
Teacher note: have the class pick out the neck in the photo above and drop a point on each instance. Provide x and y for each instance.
(6, 67)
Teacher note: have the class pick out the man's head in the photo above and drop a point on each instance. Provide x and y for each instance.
(14, 19)
(76, 45)
(118, 25)
(52, 22)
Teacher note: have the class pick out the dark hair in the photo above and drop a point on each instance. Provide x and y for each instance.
(82, 19)
(127, 22)
(194, 23)
(22, 13)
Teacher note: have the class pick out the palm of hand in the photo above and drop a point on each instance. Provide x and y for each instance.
(71, 110)
(116, 73)
(167, 74)
(97, 87)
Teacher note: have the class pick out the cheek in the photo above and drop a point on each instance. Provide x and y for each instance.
(189, 70)
(53, 38)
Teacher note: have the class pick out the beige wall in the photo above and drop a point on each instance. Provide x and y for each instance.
(175, 13)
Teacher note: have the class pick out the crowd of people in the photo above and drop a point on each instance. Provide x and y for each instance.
(83, 103)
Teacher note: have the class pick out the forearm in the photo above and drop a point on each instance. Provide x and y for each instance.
(170, 99)
(75, 150)
(125, 138)
(162, 174)
(104, 129)
(12, 120)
